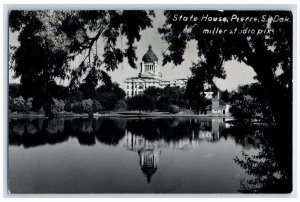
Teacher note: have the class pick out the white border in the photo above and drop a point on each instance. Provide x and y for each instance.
(157, 4)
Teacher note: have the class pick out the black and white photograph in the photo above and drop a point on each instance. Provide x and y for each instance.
(150, 101)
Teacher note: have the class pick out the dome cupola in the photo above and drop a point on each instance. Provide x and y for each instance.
(150, 56)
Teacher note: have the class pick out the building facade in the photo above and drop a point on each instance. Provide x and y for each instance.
(219, 107)
(149, 76)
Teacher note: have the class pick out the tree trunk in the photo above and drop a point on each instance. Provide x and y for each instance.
(280, 98)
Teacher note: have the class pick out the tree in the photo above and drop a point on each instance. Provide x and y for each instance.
(141, 102)
(225, 96)
(153, 92)
(195, 90)
(265, 53)
(174, 109)
(97, 106)
(14, 90)
(68, 106)
(249, 103)
(50, 40)
(171, 96)
(57, 106)
(87, 106)
(20, 104)
(109, 94)
(270, 168)
(121, 105)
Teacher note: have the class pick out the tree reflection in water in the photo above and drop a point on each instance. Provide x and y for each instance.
(270, 168)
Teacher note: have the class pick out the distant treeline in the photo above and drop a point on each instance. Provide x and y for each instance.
(107, 97)
(248, 102)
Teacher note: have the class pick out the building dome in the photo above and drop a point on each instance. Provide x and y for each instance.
(148, 171)
(148, 161)
(150, 56)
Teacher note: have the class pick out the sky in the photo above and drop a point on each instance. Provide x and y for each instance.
(237, 73)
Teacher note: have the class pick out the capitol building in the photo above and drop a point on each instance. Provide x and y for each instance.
(149, 75)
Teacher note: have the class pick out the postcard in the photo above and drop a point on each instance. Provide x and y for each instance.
(150, 101)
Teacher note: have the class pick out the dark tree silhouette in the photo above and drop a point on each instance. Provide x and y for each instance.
(141, 102)
(249, 103)
(195, 88)
(109, 95)
(265, 53)
(14, 90)
(271, 168)
(49, 40)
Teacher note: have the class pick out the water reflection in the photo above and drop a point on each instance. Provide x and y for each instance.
(271, 167)
(149, 138)
(149, 158)
(37, 132)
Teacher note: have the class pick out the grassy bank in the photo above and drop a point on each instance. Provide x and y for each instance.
(120, 114)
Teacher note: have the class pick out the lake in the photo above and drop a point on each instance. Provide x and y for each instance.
(140, 155)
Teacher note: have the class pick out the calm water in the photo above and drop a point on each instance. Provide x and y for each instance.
(118, 155)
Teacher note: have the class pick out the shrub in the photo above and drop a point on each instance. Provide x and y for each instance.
(57, 106)
(174, 109)
(87, 106)
(121, 105)
(68, 106)
(77, 108)
(141, 102)
(19, 104)
(97, 106)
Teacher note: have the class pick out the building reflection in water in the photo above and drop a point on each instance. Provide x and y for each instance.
(149, 159)
(146, 137)
(150, 149)
(150, 137)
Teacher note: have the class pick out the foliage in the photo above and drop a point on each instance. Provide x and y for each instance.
(77, 108)
(174, 109)
(20, 104)
(87, 106)
(141, 102)
(57, 106)
(75, 96)
(167, 99)
(265, 53)
(153, 92)
(14, 90)
(68, 106)
(121, 105)
(109, 94)
(196, 87)
(50, 40)
(225, 96)
(270, 168)
(243, 109)
(97, 106)
(249, 103)
(171, 96)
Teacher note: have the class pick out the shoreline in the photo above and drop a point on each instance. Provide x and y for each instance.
(120, 115)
